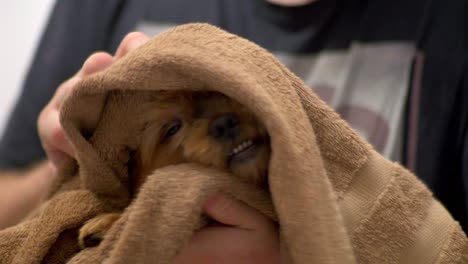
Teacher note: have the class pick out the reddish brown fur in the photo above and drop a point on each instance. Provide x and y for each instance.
(195, 111)
(193, 143)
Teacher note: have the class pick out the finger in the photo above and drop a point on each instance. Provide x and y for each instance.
(53, 136)
(62, 92)
(95, 63)
(130, 42)
(230, 211)
(50, 115)
(48, 122)
(59, 139)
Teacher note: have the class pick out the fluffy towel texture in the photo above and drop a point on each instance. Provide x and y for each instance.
(335, 198)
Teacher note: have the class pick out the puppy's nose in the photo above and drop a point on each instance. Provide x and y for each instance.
(225, 127)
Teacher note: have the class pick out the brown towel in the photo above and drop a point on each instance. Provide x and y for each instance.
(336, 200)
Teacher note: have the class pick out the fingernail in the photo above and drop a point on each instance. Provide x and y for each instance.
(95, 63)
(132, 41)
(137, 42)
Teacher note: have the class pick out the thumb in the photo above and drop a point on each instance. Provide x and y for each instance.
(230, 211)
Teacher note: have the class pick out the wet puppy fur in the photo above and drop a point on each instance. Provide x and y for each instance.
(207, 128)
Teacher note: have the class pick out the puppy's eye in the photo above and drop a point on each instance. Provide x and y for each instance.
(172, 129)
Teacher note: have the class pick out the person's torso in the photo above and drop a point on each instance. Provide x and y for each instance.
(389, 68)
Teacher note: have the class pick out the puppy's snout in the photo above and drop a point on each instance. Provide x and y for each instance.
(225, 127)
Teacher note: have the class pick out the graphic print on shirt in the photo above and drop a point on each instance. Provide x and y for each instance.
(367, 84)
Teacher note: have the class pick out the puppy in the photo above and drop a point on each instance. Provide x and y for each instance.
(202, 127)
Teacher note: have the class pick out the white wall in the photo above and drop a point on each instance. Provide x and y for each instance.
(21, 24)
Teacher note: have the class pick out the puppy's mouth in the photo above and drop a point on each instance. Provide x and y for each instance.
(244, 150)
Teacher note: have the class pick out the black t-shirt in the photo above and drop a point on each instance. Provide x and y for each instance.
(404, 60)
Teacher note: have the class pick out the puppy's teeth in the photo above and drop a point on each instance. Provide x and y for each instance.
(242, 146)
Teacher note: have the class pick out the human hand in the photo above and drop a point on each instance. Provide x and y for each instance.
(245, 236)
(53, 138)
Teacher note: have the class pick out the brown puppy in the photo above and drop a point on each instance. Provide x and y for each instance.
(202, 127)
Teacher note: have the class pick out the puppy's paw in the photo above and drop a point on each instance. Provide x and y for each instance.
(94, 230)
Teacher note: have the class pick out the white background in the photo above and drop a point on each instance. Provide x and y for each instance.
(21, 24)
